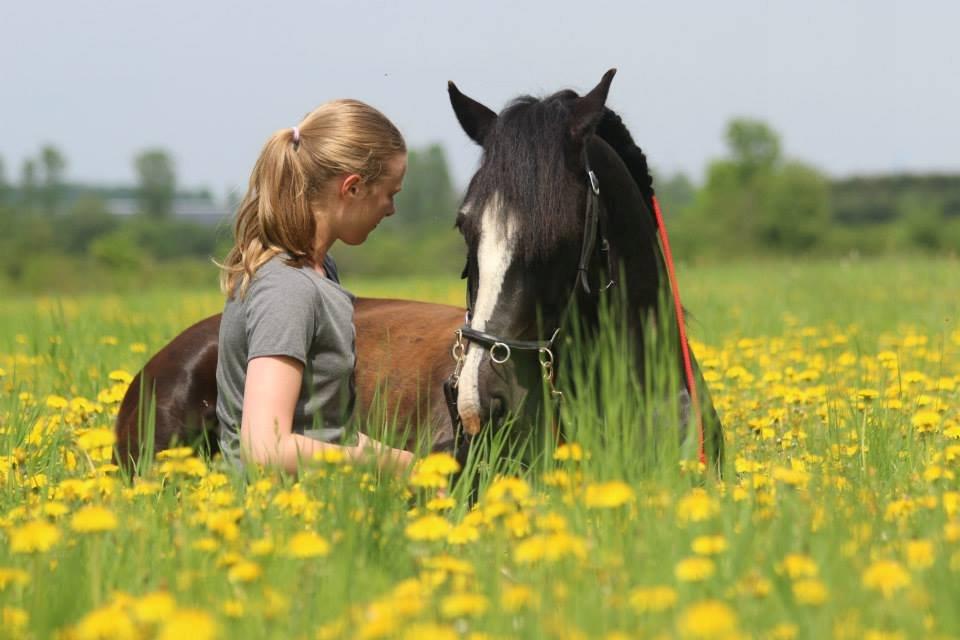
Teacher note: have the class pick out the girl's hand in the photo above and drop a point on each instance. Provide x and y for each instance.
(387, 457)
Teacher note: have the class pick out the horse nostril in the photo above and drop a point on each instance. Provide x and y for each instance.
(498, 409)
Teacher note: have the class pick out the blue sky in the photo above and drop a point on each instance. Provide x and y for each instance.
(853, 87)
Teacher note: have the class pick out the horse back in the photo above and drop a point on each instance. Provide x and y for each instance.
(177, 390)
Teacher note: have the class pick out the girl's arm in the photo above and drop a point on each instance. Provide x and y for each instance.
(266, 429)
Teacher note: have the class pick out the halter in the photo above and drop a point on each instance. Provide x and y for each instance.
(501, 349)
(594, 225)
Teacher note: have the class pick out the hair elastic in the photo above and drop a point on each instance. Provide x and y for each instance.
(296, 135)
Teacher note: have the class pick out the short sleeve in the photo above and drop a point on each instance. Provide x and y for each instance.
(281, 315)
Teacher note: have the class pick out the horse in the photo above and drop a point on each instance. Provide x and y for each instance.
(562, 197)
(403, 356)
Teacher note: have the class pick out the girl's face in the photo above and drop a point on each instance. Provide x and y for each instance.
(373, 203)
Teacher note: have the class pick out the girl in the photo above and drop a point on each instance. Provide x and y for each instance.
(286, 347)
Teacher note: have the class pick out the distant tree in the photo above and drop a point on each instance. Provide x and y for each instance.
(28, 185)
(796, 212)
(675, 193)
(54, 164)
(428, 199)
(4, 185)
(157, 182)
(754, 147)
(753, 196)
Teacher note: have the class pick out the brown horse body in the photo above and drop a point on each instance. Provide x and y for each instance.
(403, 357)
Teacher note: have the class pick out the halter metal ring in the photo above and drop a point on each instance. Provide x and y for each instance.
(546, 358)
(493, 352)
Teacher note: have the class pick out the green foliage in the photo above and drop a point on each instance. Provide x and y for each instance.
(428, 200)
(753, 200)
(676, 194)
(54, 165)
(157, 182)
(4, 185)
(797, 209)
(117, 250)
(28, 185)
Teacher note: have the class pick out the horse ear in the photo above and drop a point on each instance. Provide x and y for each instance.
(475, 118)
(588, 110)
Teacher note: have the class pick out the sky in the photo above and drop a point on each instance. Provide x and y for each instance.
(853, 87)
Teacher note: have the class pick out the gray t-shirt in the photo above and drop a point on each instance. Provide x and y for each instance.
(297, 313)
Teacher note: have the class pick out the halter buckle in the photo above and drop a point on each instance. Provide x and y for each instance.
(594, 183)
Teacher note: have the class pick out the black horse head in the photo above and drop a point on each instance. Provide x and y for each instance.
(559, 208)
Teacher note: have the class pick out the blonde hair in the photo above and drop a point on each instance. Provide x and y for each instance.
(276, 215)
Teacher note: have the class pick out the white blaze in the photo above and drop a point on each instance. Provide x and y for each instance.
(494, 255)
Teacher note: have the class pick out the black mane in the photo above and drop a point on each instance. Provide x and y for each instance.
(526, 159)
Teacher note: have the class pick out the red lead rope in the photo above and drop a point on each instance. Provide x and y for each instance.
(684, 347)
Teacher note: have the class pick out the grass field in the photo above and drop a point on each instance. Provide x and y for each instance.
(838, 514)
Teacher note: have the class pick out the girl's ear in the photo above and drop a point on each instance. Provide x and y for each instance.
(350, 185)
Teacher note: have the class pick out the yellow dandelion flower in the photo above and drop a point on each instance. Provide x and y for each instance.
(549, 547)
(178, 453)
(57, 402)
(9, 576)
(93, 519)
(244, 571)
(552, 521)
(106, 622)
(109, 341)
(459, 605)
(441, 504)
(120, 375)
(428, 480)
(448, 564)
(570, 451)
(307, 544)
(463, 533)
(608, 495)
(55, 509)
(154, 607)
(429, 631)
(654, 599)
(810, 592)
(886, 576)
(207, 544)
(14, 619)
(925, 421)
(189, 623)
(440, 463)
(274, 603)
(558, 478)
(783, 631)
(798, 565)
(429, 527)
(709, 545)
(516, 597)
(951, 532)
(261, 547)
(233, 608)
(920, 554)
(138, 347)
(696, 506)
(33, 537)
(707, 619)
(506, 488)
(694, 569)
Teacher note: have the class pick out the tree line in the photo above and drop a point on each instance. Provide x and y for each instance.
(753, 200)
